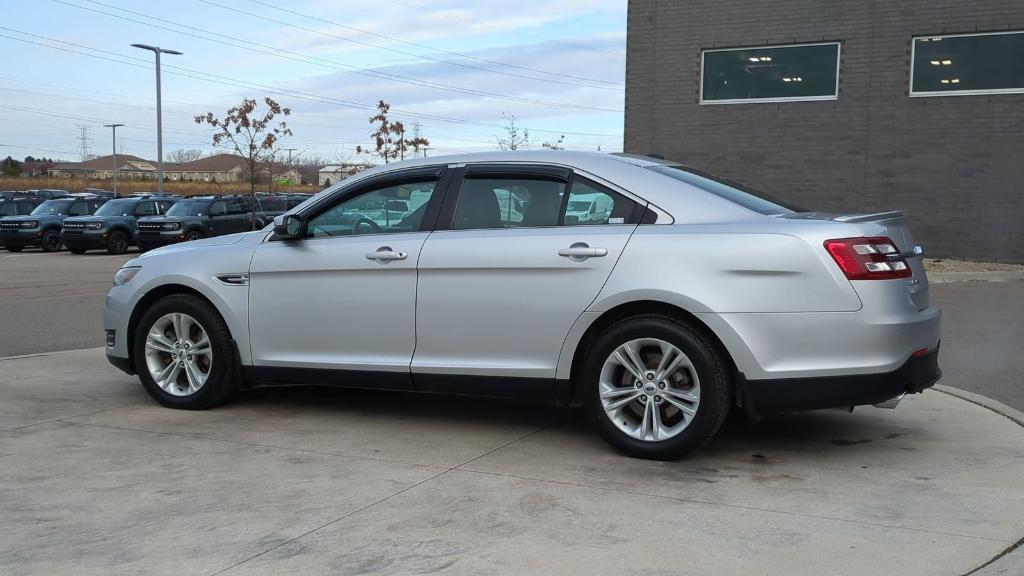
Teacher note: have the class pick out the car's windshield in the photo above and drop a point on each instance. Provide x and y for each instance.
(745, 196)
(116, 208)
(51, 207)
(187, 208)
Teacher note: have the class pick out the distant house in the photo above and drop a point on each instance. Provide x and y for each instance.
(35, 168)
(334, 173)
(291, 176)
(102, 168)
(216, 168)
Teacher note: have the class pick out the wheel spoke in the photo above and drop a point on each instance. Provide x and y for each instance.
(645, 424)
(627, 358)
(623, 401)
(169, 376)
(672, 367)
(682, 407)
(159, 343)
(687, 396)
(196, 379)
(656, 426)
(176, 321)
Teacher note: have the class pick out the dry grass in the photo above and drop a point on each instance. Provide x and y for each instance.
(129, 186)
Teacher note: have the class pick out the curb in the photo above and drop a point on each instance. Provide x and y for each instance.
(995, 276)
(985, 402)
(38, 354)
(1009, 561)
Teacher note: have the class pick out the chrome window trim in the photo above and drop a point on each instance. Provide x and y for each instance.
(834, 96)
(933, 93)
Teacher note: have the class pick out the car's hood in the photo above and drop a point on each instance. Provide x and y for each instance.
(73, 219)
(200, 244)
(27, 218)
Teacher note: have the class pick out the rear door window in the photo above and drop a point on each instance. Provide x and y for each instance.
(591, 203)
(508, 203)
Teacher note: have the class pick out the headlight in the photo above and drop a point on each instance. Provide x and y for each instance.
(125, 275)
(29, 224)
(94, 225)
(171, 226)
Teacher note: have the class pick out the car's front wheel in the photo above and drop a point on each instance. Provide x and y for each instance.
(50, 240)
(117, 243)
(655, 387)
(194, 235)
(183, 353)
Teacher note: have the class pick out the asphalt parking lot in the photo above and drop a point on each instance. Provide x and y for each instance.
(97, 479)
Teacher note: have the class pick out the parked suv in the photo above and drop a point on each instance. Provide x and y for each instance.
(194, 218)
(113, 226)
(42, 227)
(18, 205)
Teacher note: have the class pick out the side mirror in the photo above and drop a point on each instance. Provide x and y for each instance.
(288, 227)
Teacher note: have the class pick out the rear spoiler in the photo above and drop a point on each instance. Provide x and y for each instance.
(869, 217)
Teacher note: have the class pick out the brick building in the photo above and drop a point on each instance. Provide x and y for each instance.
(844, 106)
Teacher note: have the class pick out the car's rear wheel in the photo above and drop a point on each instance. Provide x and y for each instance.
(183, 353)
(76, 250)
(50, 241)
(655, 387)
(117, 242)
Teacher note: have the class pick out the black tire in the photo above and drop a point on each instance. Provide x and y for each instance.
(76, 250)
(50, 241)
(117, 242)
(711, 369)
(221, 383)
(194, 235)
(15, 248)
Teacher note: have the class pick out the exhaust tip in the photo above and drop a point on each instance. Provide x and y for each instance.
(891, 403)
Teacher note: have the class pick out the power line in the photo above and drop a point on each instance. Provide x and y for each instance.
(38, 149)
(611, 85)
(249, 45)
(226, 80)
(468, 20)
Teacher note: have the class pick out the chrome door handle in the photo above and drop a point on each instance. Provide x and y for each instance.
(581, 250)
(386, 254)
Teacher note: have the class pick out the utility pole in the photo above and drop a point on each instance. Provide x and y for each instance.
(84, 150)
(291, 187)
(159, 126)
(113, 136)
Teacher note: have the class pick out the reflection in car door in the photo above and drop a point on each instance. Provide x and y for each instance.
(500, 301)
(337, 301)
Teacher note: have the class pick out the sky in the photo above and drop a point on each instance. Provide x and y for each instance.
(455, 67)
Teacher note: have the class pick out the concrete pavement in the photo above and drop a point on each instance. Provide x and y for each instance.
(97, 479)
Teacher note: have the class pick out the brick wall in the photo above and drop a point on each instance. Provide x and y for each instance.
(954, 163)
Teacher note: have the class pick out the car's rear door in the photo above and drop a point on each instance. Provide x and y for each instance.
(343, 297)
(498, 292)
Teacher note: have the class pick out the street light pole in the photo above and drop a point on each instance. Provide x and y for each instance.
(113, 136)
(159, 125)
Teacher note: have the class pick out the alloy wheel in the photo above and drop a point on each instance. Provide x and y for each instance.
(179, 356)
(649, 389)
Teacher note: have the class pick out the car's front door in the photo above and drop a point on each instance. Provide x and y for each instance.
(343, 297)
(501, 287)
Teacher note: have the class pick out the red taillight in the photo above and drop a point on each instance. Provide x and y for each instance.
(868, 258)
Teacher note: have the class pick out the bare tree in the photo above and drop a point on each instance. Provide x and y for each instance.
(515, 138)
(385, 146)
(556, 145)
(183, 155)
(251, 134)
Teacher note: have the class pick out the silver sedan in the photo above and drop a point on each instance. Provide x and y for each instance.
(661, 300)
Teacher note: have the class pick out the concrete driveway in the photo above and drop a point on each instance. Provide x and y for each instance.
(97, 479)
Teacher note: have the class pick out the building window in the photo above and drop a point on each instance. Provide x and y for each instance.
(770, 74)
(964, 64)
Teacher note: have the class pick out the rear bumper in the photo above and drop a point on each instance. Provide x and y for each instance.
(799, 394)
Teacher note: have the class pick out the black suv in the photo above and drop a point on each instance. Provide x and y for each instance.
(18, 205)
(113, 226)
(197, 217)
(42, 226)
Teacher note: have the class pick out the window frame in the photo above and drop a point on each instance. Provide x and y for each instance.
(932, 93)
(835, 96)
(440, 173)
(540, 171)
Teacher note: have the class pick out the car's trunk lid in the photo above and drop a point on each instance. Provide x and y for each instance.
(893, 225)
